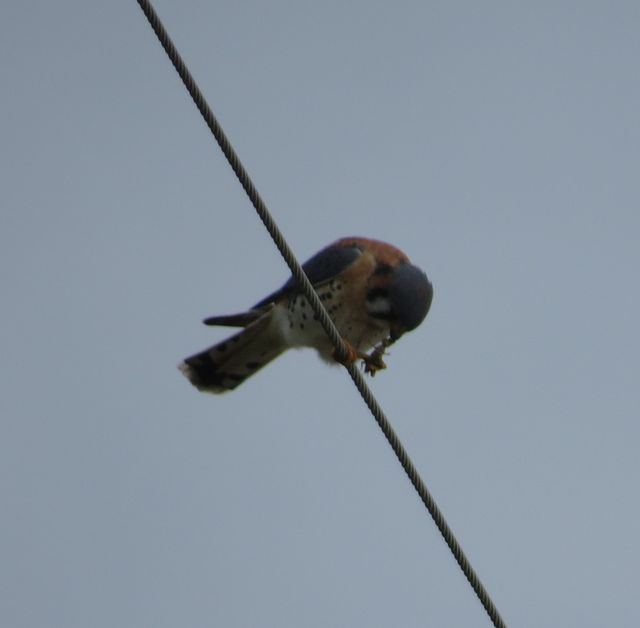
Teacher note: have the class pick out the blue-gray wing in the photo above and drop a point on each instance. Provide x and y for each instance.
(324, 265)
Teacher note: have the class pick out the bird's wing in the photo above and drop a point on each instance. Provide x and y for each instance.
(323, 266)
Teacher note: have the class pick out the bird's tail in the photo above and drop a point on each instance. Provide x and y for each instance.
(226, 365)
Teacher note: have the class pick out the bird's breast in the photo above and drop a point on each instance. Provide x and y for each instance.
(300, 327)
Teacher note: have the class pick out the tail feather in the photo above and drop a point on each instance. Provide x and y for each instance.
(243, 319)
(226, 365)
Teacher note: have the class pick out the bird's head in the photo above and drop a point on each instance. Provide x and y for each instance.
(402, 296)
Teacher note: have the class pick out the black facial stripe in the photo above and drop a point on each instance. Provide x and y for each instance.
(383, 316)
(377, 293)
(383, 269)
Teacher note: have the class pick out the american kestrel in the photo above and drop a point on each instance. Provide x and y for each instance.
(369, 288)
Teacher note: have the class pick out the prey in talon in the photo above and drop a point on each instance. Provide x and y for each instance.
(371, 290)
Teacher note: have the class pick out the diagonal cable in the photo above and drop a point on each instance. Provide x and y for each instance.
(319, 309)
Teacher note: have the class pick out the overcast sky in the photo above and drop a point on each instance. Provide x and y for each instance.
(496, 143)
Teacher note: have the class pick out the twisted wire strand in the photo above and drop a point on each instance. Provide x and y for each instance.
(319, 309)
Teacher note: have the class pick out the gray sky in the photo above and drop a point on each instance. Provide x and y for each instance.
(496, 143)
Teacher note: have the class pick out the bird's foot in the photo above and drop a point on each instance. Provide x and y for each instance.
(352, 354)
(374, 362)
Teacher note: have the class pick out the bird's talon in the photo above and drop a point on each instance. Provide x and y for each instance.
(350, 358)
(374, 362)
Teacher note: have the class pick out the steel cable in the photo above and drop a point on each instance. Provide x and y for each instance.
(319, 309)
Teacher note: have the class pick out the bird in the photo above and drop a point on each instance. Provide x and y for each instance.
(370, 289)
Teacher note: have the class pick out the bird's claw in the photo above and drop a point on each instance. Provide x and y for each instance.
(351, 356)
(372, 362)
